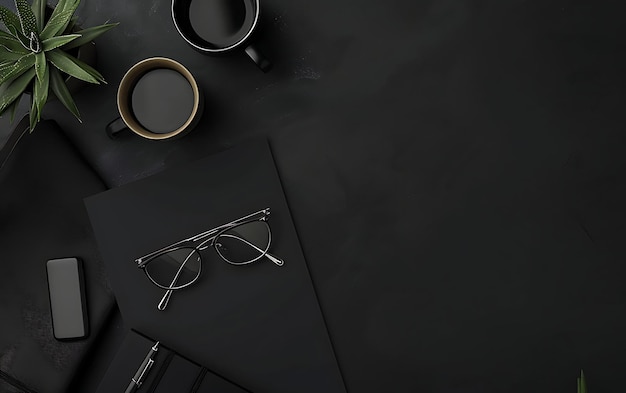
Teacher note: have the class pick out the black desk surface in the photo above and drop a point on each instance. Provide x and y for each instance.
(455, 171)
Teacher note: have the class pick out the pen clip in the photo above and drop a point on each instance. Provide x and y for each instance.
(139, 380)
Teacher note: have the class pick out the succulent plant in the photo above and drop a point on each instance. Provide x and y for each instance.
(34, 56)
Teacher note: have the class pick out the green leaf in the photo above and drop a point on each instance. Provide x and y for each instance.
(92, 71)
(15, 89)
(71, 6)
(39, 10)
(71, 66)
(58, 8)
(40, 92)
(71, 26)
(14, 26)
(56, 24)
(66, 5)
(5, 34)
(60, 18)
(12, 44)
(21, 39)
(582, 383)
(9, 19)
(60, 90)
(7, 55)
(33, 115)
(55, 42)
(17, 68)
(27, 18)
(89, 35)
(40, 65)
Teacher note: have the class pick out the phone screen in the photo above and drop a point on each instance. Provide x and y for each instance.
(67, 298)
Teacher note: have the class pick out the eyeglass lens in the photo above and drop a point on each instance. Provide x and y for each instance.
(244, 243)
(175, 269)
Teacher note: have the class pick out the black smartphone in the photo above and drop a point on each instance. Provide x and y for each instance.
(68, 304)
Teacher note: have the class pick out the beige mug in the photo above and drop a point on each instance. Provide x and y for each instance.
(158, 98)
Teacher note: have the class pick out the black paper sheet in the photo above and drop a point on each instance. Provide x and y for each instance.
(259, 325)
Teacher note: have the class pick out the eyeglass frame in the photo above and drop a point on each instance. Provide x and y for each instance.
(208, 236)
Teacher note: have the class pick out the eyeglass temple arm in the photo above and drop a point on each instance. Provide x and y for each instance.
(263, 213)
(166, 298)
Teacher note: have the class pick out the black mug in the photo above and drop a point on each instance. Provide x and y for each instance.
(219, 27)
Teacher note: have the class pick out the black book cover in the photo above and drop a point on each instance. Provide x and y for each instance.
(259, 325)
(42, 185)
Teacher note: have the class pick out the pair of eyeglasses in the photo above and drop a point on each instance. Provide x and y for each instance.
(240, 242)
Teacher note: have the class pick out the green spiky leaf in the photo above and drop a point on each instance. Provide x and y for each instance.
(70, 65)
(582, 383)
(15, 89)
(40, 65)
(11, 43)
(88, 35)
(13, 26)
(8, 56)
(27, 18)
(39, 10)
(56, 24)
(57, 84)
(9, 19)
(40, 93)
(71, 5)
(32, 115)
(33, 48)
(55, 42)
(5, 34)
(71, 27)
(65, 5)
(60, 7)
(14, 70)
(89, 69)
(60, 18)
(20, 37)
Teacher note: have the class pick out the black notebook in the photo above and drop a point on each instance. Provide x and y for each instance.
(42, 217)
(259, 325)
(169, 371)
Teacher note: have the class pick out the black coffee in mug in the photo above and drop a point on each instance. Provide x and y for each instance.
(162, 100)
(221, 23)
(158, 98)
(219, 27)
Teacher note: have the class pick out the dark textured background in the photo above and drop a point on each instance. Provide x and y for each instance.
(455, 170)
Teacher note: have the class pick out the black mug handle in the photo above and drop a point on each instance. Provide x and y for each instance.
(260, 60)
(115, 127)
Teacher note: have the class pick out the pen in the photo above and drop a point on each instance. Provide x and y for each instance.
(141, 373)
